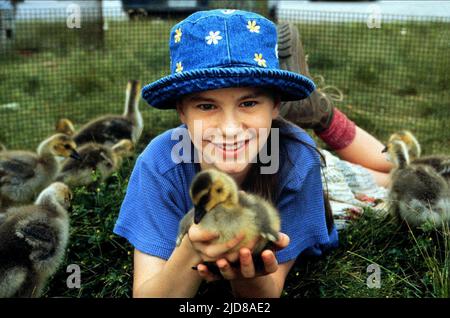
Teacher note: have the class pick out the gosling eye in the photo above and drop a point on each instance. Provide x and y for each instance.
(66, 146)
(219, 190)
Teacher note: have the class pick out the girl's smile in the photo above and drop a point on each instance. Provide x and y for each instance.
(232, 151)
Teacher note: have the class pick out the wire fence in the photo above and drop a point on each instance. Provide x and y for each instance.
(392, 75)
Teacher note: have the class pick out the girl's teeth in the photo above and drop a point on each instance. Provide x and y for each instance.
(232, 147)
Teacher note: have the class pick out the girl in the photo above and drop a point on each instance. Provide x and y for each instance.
(226, 86)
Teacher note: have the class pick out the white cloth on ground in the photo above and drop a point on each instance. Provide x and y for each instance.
(350, 188)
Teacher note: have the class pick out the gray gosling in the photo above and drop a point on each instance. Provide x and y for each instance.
(96, 158)
(33, 240)
(110, 129)
(440, 163)
(418, 194)
(23, 174)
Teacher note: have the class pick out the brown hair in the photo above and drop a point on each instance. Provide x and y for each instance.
(266, 185)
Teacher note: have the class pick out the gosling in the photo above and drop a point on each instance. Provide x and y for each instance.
(440, 163)
(96, 158)
(24, 174)
(219, 207)
(418, 194)
(411, 142)
(110, 129)
(33, 240)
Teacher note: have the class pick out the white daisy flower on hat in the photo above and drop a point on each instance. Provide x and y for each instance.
(259, 59)
(253, 27)
(179, 67)
(228, 11)
(177, 36)
(213, 37)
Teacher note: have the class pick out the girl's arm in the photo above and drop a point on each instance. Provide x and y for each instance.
(155, 277)
(353, 144)
(366, 151)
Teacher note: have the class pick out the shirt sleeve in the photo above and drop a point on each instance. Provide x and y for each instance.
(149, 215)
(301, 208)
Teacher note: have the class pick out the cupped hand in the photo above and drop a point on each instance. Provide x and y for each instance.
(247, 266)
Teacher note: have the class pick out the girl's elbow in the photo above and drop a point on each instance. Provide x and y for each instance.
(137, 292)
(143, 290)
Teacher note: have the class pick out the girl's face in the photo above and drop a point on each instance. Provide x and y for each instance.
(229, 126)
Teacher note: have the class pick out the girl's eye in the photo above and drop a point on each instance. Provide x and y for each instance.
(206, 106)
(249, 104)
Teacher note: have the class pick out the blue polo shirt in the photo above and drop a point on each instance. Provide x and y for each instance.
(158, 196)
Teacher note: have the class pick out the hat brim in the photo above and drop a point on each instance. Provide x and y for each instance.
(163, 93)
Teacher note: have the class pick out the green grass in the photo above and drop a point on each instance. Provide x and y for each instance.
(55, 80)
(390, 81)
(412, 264)
(105, 259)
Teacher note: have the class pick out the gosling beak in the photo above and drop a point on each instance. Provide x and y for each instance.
(199, 213)
(75, 155)
(385, 149)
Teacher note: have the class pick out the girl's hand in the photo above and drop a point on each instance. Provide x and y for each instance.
(247, 268)
(209, 252)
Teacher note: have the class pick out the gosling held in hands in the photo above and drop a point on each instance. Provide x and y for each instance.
(219, 207)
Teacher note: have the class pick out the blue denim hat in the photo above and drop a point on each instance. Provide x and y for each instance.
(220, 49)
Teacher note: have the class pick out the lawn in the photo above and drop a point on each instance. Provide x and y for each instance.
(412, 264)
(392, 78)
